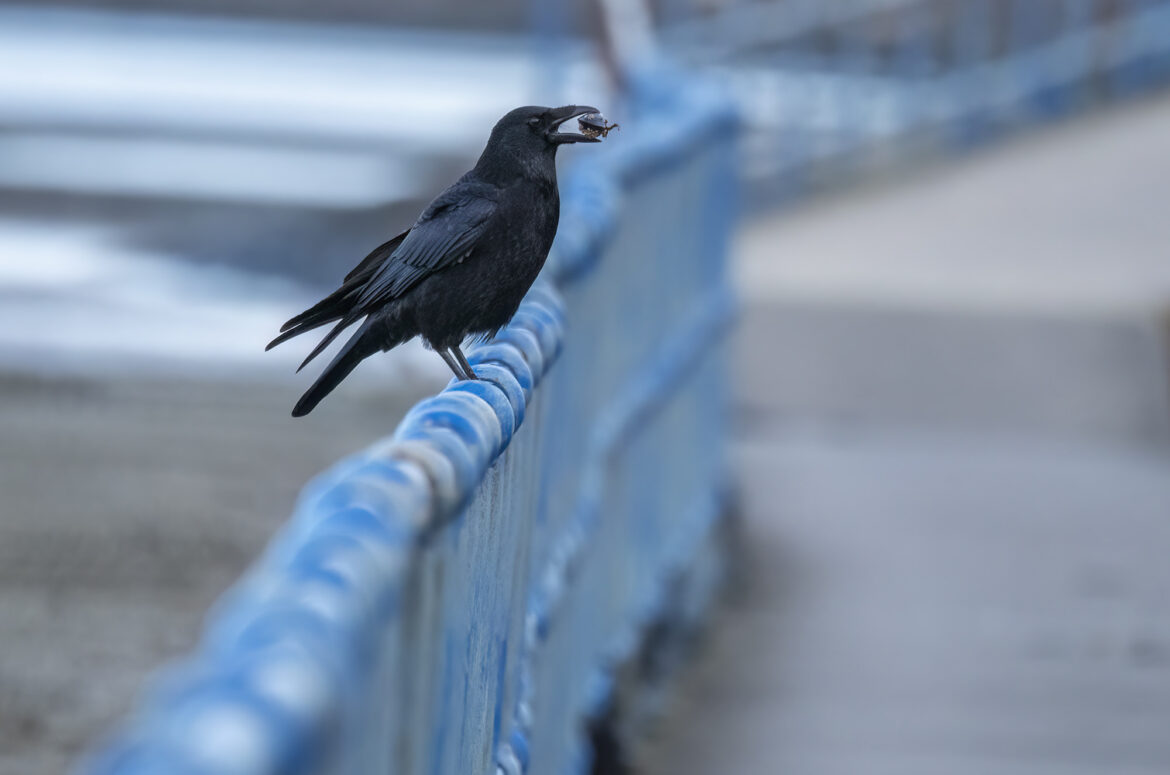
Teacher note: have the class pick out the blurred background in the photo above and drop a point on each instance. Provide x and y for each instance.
(952, 393)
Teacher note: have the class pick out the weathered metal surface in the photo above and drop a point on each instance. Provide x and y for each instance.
(455, 598)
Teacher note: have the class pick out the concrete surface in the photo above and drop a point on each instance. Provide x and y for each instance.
(129, 506)
(1067, 375)
(1024, 287)
(922, 604)
(1068, 218)
(955, 473)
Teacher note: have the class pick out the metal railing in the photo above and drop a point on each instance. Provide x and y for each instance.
(844, 84)
(457, 598)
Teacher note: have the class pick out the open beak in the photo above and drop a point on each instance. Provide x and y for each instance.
(559, 116)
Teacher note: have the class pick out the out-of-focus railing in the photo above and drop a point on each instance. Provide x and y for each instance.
(842, 85)
(457, 598)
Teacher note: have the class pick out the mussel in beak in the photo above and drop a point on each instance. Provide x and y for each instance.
(594, 125)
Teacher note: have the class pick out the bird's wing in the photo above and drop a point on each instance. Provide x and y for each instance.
(338, 304)
(369, 264)
(445, 233)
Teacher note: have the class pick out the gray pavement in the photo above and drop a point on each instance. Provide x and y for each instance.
(926, 604)
(1069, 218)
(129, 506)
(955, 473)
(1025, 287)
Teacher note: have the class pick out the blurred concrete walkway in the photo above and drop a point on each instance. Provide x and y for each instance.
(932, 605)
(130, 504)
(956, 478)
(1070, 217)
(1024, 287)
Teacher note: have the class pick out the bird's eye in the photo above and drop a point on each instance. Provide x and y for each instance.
(534, 121)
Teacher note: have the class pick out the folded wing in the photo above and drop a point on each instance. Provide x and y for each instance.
(339, 303)
(446, 233)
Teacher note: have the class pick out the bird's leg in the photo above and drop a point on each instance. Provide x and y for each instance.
(450, 361)
(463, 362)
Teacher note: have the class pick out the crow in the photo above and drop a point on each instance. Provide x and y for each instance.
(464, 266)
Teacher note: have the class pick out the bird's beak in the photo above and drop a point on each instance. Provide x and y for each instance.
(558, 116)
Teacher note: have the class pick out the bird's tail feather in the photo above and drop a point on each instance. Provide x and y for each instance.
(359, 347)
(329, 309)
(332, 306)
(284, 337)
(340, 303)
(343, 324)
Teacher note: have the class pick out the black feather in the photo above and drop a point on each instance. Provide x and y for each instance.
(337, 304)
(444, 233)
(343, 324)
(463, 268)
(359, 347)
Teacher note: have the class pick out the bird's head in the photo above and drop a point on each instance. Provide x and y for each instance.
(537, 127)
(524, 143)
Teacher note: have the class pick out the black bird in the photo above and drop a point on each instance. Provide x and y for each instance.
(464, 266)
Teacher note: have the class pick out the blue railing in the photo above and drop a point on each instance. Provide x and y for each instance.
(457, 598)
(839, 86)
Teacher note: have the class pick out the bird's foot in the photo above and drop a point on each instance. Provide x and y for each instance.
(468, 372)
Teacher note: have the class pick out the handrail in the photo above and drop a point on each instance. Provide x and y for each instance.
(457, 597)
